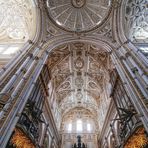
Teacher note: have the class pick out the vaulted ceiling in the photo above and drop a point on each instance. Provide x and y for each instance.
(80, 76)
(78, 15)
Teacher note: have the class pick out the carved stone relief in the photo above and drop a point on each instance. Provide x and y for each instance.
(78, 15)
(136, 20)
(16, 21)
(78, 72)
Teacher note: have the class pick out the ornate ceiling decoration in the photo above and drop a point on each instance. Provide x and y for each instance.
(79, 75)
(78, 15)
(17, 21)
(136, 20)
(79, 113)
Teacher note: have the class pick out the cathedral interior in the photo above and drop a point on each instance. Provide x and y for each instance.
(73, 73)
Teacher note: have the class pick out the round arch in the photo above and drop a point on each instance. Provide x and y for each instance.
(49, 45)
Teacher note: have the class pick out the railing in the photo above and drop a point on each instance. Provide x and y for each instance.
(30, 128)
(127, 115)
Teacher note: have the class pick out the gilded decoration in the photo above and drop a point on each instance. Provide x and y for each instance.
(138, 140)
(20, 140)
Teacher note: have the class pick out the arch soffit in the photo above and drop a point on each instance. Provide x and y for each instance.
(65, 39)
(83, 110)
(119, 22)
(66, 111)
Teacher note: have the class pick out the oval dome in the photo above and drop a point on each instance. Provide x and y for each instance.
(78, 15)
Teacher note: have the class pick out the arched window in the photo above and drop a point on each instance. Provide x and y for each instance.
(88, 127)
(70, 127)
(17, 25)
(79, 125)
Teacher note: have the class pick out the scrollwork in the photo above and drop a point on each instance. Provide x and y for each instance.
(16, 20)
(137, 20)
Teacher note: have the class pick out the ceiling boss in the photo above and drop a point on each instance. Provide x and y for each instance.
(78, 3)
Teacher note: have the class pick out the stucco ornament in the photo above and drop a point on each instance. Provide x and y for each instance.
(78, 3)
(78, 15)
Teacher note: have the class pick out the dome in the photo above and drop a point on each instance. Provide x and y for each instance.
(78, 15)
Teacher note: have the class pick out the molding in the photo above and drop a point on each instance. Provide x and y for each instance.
(50, 121)
(107, 119)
